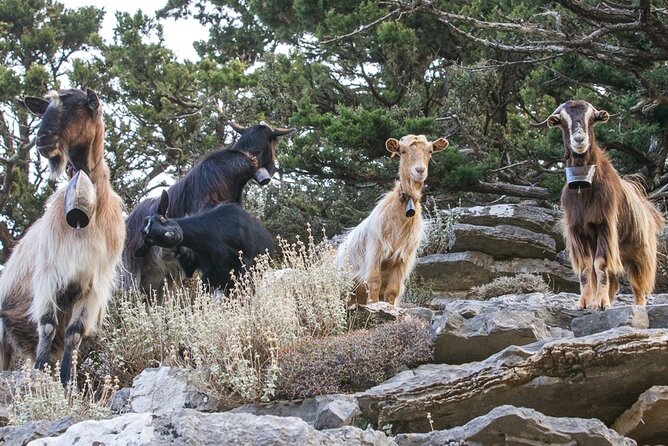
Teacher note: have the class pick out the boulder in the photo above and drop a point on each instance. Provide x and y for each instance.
(597, 376)
(647, 420)
(189, 426)
(657, 316)
(502, 241)
(373, 314)
(459, 271)
(510, 425)
(25, 433)
(165, 389)
(322, 412)
(628, 315)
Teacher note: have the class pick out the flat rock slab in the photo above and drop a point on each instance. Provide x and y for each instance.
(322, 412)
(191, 427)
(502, 241)
(166, 389)
(647, 420)
(508, 425)
(25, 433)
(597, 376)
(459, 271)
(599, 321)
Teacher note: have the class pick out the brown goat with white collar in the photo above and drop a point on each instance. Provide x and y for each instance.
(609, 225)
(381, 250)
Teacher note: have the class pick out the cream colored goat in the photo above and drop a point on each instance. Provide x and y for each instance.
(381, 250)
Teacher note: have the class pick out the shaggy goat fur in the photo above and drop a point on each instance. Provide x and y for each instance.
(609, 227)
(56, 284)
(381, 250)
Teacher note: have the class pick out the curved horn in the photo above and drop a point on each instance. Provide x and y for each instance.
(545, 122)
(237, 128)
(280, 131)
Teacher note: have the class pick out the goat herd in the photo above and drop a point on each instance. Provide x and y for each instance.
(56, 284)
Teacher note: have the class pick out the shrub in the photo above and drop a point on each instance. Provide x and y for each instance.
(231, 343)
(418, 292)
(40, 396)
(521, 283)
(439, 229)
(354, 361)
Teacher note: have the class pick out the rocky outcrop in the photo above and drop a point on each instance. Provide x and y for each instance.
(459, 271)
(596, 376)
(25, 433)
(647, 420)
(502, 241)
(628, 315)
(189, 426)
(166, 389)
(507, 425)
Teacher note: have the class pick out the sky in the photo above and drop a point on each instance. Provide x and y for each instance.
(179, 34)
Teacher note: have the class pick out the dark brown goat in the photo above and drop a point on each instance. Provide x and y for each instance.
(609, 225)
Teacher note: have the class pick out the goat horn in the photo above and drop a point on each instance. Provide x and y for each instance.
(237, 128)
(280, 131)
(544, 123)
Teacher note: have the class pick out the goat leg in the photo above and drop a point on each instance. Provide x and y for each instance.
(601, 300)
(395, 283)
(73, 335)
(46, 329)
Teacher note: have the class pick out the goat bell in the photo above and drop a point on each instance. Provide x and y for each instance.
(79, 200)
(580, 177)
(262, 176)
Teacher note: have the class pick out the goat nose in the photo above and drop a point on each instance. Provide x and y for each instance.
(419, 170)
(579, 137)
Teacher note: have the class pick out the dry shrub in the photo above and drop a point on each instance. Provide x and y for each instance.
(231, 343)
(40, 396)
(519, 284)
(354, 361)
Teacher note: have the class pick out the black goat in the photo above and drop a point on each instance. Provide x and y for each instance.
(224, 239)
(218, 177)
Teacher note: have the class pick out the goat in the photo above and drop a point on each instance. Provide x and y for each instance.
(381, 250)
(608, 223)
(59, 274)
(218, 177)
(217, 237)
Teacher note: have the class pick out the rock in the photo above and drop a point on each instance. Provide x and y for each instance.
(322, 412)
(373, 314)
(657, 316)
(597, 376)
(459, 339)
(596, 322)
(647, 420)
(23, 434)
(165, 389)
(502, 241)
(534, 218)
(423, 313)
(459, 271)
(120, 401)
(193, 427)
(510, 425)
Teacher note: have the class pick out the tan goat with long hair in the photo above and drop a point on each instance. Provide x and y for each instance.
(609, 225)
(381, 250)
(56, 284)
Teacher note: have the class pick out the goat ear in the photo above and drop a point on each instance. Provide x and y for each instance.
(392, 146)
(237, 128)
(143, 250)
(164, 203)
(282, 131)
(36, 105)
(93, 101)
(440, 144)
(601, 116)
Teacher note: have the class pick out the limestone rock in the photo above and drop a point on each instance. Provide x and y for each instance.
(23, 434)
(165, 389)
(373, 314)
(597, 376)
(647, 420)
(459, 271)
(502, 241)
(628, 315)
(658, 316)
(193, 427)
(508, 425)
(322, 412)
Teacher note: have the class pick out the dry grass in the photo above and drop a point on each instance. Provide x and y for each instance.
(40, 396)
(354, 361)
(232, 343)
(519, 284)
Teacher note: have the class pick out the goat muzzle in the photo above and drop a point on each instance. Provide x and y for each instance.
(79, 200)
(262, 176)
(580, 177)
